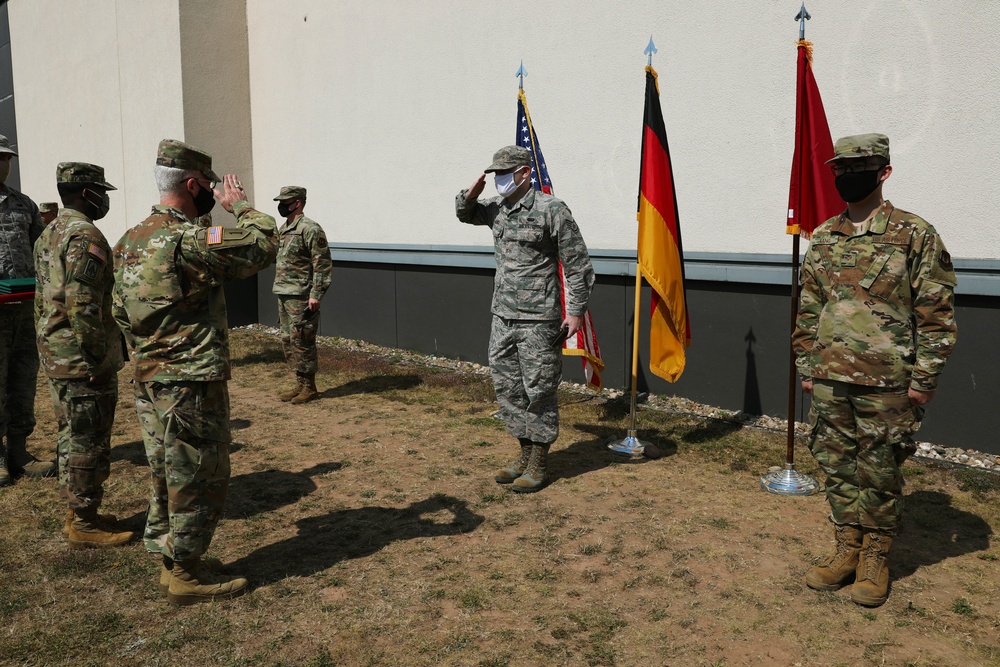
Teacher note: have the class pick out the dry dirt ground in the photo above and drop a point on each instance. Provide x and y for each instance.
(372, 532)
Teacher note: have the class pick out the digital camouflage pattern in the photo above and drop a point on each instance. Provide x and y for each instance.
(85, 413)
(185, 427)
(169, 299)
(857, 432)
(304, 267)
(877, 304)
(509, 157)
(298, 327)
(530, 238)
(861, 145)
(77, 336)
(526, 370)
(20, 226)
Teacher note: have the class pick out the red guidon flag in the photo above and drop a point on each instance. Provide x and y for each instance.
(661, 257)
(584, 343)
(812, 197)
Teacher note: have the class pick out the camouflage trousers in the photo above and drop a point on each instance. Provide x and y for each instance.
(85, 414)
(526, 370)
(185, 429)
(18, 370)
(856, 434)
(298, 333)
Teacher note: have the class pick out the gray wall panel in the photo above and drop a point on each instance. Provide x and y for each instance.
(267, 303)
(360, 304)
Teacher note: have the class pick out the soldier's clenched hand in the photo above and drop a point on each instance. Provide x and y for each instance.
(919, 397)
(477, 188)
(232, 192)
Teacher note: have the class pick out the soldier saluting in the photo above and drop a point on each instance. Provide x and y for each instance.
(876, 324)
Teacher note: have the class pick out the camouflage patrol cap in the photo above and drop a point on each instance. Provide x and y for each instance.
(290, 192)
(82, 172)
(179, 155)
(48, 207)
(5, 146)
(509, 157)
(861, 145)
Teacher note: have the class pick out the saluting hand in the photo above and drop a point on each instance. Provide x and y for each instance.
(232, 193)
(477, 188)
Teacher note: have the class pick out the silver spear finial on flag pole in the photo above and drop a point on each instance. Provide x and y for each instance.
(650, 50)
(521, 73)
(802, 17)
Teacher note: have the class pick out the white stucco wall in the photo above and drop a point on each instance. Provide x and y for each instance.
(384, 110)
(107, 100)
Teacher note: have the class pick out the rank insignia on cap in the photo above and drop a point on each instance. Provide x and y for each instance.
(214, 235)
(98, 252)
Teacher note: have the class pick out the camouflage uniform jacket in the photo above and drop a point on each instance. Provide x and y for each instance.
(169, 298)
(20, 227)
(530, 238)
(877, 303)
(304, 266)
(77, 337)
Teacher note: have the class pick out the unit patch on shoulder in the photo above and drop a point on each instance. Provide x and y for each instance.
(946, 263)
(214, 235)
(98, 252)
(321, 242)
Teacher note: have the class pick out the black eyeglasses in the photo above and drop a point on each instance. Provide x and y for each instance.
(854, 168)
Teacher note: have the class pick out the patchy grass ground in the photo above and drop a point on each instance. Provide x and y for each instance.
(373, 534)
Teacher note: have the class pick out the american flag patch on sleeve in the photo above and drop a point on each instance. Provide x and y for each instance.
(98, 252)
(214, 235)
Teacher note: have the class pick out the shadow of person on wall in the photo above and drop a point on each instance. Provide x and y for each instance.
(268, 490)
(751, 385)
(324, 541)
(933, 530)
(373, 384)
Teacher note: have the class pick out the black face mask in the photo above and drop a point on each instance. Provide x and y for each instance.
(855, 186)
(101, 206)
(204, 201)
(285, 208)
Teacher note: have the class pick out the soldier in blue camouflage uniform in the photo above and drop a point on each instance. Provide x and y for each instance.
(20, 227)
(876, 324)
(169, 302)
(301, 278)
(80, 348)
(532, 233)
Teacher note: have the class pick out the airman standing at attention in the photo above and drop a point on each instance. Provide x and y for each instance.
(80, 348)
(301, 278)
(876, 324)
(169, 302)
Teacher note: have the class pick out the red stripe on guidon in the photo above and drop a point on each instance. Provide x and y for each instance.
(657, 184)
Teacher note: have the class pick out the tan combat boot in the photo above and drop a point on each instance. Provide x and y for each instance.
(88, 531)
(309, 391)
(871, 584)
(288, 394)
(191, 583)
(167, 570)
(516, 467)
(836, 570)
(534, 476)
(4, 475)
(109, 519)
(21, 463)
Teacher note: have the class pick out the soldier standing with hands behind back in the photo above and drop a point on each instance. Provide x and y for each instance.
(80, 348)
(301, 278)
(876, 324)
(170, 303)
(532, 233)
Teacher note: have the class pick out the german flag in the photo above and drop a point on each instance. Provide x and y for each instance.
(661, 257)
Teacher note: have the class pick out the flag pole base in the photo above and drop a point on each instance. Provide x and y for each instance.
(789, 482)
(631, 446)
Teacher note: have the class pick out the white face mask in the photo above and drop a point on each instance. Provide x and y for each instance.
(505, 184)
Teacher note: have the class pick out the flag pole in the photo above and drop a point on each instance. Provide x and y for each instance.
(632, 446)
(788, 481)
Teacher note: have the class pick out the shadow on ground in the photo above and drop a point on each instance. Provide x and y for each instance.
(268, 490)
(324, 541)
(933, 530)
(135, 452)
(585, 456)
(373, 384)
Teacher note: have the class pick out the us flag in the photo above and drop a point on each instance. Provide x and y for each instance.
(584, 343)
